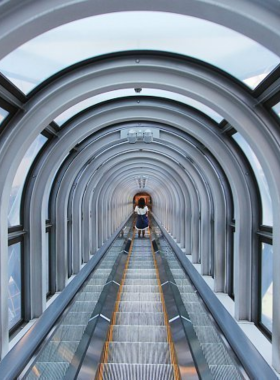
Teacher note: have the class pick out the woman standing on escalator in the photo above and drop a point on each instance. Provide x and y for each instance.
(142, 222)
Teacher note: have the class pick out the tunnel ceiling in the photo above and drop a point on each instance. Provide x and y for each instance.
(82, 75)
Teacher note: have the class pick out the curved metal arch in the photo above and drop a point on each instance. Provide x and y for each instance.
(58, 181)
(170, 184)
(96, 195)
(219, 216)
(124, 178)
(259, 21)
(211, 169)
(90, 188)
(62, 199)
(170, 200)
(115, 162)
(83, 91)
(81, 187)
(67, 181)
(80, 130)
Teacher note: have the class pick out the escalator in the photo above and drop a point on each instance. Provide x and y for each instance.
(140, 345)
(137, 316)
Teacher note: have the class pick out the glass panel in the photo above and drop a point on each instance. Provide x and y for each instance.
(276, 109)
(14, 288)
(267, 286)
(47, 262)
(3, 114)
(43, 56)
(231, 268)
(66, 115)
(19, 180)
(261, 179)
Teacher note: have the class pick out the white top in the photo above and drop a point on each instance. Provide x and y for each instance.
(141, 211)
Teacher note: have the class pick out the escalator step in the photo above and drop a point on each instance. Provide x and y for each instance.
(140, 297)
(97, 281)
(76, 319)
(216, 354)
(58, 352)
(83, 307)
(140, 289)
(139, 333)
(132, 319)
(189, 297)
(141, 281)
(207, 334)
(144, 353)
(138, 371)
(182, 281)
(186, 289)
(93, 288)
(131, 271)
(201, 319)
(140, 307)
(225, 372)
(46, 371)
(88, 296)
(141, 276)
(68, 333)
(194, 307)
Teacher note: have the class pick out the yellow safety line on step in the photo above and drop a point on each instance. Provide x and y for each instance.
(105, 354)
(173, 356)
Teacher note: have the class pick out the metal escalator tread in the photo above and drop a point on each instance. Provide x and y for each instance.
(55, 357)
(141, 353)
(221, 364)
(137, 371)
(139, 347)
(59, 352)
(139, 333)
(225, 372)
(48, 371)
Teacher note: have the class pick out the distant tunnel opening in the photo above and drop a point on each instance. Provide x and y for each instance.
(146, 196)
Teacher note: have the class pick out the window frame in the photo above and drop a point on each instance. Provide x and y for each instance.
(263, 238)
(12, 240)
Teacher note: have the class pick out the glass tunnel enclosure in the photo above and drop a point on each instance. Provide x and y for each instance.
(103, 104)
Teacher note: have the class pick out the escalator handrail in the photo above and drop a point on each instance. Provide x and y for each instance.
(18, 357)
(252, 361)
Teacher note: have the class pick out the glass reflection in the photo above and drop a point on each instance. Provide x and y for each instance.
(45, 55)
(276, 109)
(267, 286)
(66, 115)
(19, 180)
(3, 114)
(260, 177)
(14, 287)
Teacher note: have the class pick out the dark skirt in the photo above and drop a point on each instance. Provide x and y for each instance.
(142, 222)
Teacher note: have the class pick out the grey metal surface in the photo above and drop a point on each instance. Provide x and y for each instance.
(139, 348)
(255, 19)
(54, 357)
(138, 371)
(219, 360)
(190, 357)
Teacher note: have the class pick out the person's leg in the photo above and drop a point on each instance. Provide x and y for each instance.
(143, 233)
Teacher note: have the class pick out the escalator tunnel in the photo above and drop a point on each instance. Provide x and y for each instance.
(137, 315)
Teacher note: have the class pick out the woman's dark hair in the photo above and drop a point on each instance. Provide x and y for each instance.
(141, 203)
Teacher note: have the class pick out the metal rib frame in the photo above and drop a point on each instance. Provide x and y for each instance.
(242, 116)
(259, 21)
